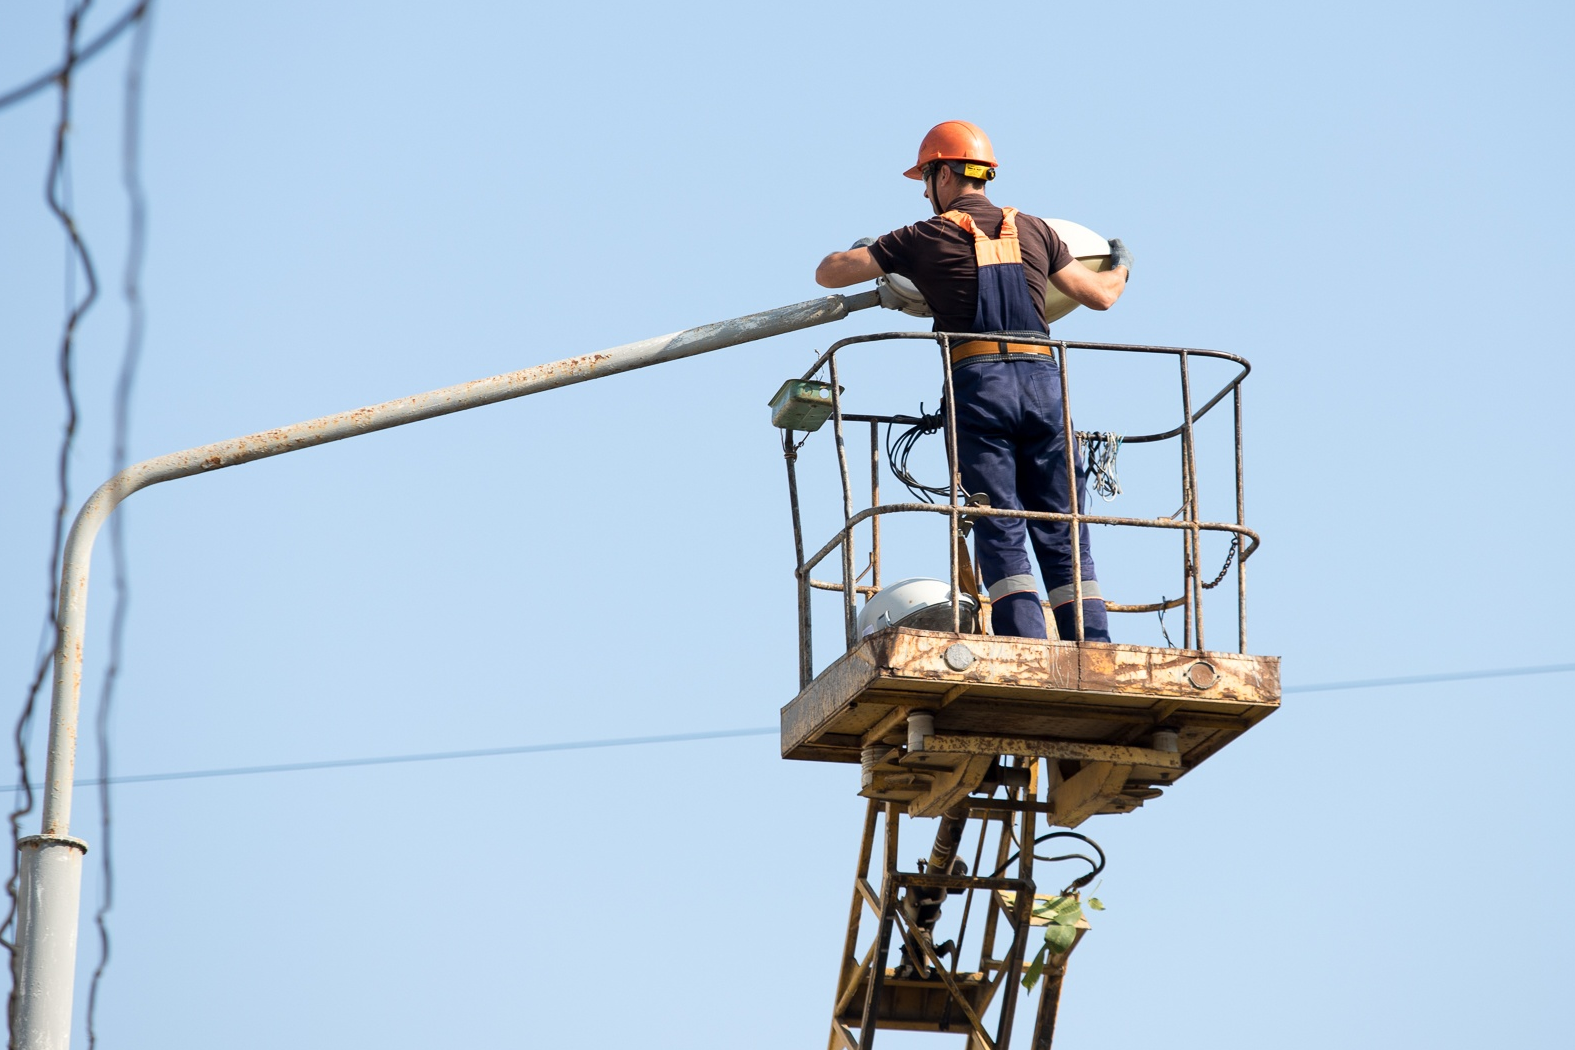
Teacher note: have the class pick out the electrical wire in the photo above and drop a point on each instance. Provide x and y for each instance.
(1099, 454)
(99, 43)
(899, 449)
(434, 756)
(1426, 679)
(131, 288)
(1099, 451)
(1095, 866)
(715, 734)
(57, 198)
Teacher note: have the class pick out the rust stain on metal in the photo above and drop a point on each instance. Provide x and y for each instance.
(1088, 704)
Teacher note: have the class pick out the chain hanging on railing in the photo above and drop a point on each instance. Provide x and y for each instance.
(1099, 453)
(1230, 556)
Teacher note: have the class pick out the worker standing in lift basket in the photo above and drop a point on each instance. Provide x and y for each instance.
(983, 269)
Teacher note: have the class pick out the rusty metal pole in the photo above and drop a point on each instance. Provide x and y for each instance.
(51, 861)
(1241, 519)
(1190, 465)
(953, 519)
(874, 502)
(849, 583)
(806, 659)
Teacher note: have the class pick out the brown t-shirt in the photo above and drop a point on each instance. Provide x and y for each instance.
(937, 256)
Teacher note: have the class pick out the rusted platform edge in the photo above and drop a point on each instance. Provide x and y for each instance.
(1001, 667)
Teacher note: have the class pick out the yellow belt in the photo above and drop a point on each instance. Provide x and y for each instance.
(981, 347)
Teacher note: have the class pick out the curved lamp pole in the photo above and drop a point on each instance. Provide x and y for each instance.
(49, 897)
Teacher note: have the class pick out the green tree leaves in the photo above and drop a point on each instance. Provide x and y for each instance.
(1061, 916)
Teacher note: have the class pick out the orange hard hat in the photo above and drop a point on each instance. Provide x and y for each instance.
(954, 140)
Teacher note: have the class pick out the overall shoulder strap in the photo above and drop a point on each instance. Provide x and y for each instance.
(1008, 224)
(987, 252)
(963, 219)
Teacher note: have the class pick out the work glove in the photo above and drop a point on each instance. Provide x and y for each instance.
(862, 242)
(1120, 256)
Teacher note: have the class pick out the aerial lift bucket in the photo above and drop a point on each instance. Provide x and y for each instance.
(990, 733)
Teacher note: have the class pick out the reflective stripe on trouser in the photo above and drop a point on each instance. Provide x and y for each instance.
(1015, 610)
(1067, 592)
(1010, 446)
(1014, 585)
(1026, 583)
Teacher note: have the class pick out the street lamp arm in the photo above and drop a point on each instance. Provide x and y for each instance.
(79, 544)
(51, 862)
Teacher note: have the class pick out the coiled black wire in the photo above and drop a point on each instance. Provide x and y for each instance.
(1095, 867)
(898, 450)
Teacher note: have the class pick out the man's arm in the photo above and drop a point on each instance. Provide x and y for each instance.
(1097, 291)
(840, 269)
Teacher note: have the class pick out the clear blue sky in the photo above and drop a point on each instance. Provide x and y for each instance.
(353, 202)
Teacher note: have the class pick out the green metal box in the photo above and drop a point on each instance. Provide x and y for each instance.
(801, 404)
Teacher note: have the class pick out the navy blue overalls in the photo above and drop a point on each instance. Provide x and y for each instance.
(1011, 445)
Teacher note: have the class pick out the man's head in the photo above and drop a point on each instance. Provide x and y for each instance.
(946, 180)
(955, 158)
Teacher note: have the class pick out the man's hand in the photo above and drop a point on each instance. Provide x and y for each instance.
(854, 266)
(1120, 256)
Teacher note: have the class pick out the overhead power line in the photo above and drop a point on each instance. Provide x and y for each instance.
(1424, 679)
(434, 756)
(720, 734)
(97, 44)
(58, 197)
(131, 180)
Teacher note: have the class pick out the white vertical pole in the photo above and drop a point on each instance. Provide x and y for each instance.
(49, 897)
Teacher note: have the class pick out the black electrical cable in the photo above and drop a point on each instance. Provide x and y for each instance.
(57, 197)
(75, 59)
(1082, 880)
(898, 450)
(131, 180)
